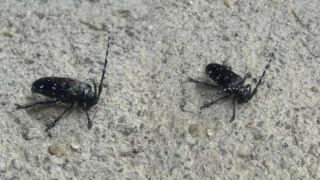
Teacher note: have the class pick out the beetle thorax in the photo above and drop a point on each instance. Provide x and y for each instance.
(87, 96)
(244, 95)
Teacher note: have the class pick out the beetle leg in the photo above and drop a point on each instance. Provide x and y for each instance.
(234, 109)
(89, 121)
(94, 85)
(53, 123)
(247, 75)
(226, 64)
(198, 82)
(31, 105)
(209, 104)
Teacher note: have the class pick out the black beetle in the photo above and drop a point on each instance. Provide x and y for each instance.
(230, 83)
(69, 91)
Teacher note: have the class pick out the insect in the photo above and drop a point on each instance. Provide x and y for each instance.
(69, 91)
(231, 83)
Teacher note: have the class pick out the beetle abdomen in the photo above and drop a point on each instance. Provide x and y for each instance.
(56, 87)
(221, 74)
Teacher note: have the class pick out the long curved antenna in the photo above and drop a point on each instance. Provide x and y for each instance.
(105, 63)
(264, 72)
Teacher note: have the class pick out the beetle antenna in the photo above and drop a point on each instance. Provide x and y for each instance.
(264, 72)
(105, 62)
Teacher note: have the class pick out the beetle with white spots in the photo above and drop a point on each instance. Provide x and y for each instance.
(69, 91)
(230, 83)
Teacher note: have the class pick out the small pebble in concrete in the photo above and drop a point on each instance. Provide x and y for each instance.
(194, 130)
(57, 150)
(209, 133)
(289, 113)
(144, 100)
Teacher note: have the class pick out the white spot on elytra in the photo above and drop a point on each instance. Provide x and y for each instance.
(55, 84)
(53, 88)
(41, 86)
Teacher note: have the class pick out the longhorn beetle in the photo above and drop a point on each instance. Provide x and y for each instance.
(69, 91)
(231, 83)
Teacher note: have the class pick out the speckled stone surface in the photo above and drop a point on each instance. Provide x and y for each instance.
(141, 123)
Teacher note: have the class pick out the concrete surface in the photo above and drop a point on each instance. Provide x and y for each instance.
(141, 123)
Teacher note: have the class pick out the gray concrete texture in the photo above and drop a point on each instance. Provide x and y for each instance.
(148, 123)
